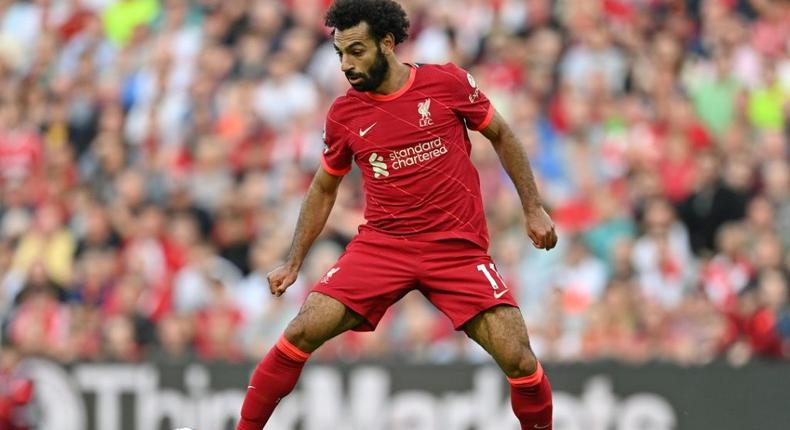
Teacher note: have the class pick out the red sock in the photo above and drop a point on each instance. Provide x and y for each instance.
(274, 377)
(531, 399)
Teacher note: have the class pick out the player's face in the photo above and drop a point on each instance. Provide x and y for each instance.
(361, 58)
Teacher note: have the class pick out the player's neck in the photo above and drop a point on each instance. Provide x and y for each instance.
(396, 78)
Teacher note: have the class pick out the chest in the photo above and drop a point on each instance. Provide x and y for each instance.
(402, 123)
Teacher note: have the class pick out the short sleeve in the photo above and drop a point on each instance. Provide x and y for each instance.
(468, 100)
(337, 155)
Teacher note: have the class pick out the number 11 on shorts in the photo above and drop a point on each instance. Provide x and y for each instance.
(491, 280)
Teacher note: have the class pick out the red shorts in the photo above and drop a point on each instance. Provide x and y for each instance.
(376, 270)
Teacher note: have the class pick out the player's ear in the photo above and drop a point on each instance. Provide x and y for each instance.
(387, 44)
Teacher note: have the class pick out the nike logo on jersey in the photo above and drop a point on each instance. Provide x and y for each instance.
(543, 427)
(362, 132)
(499, 295)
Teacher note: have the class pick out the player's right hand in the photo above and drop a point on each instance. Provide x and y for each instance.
(540, 228)
(281, 278)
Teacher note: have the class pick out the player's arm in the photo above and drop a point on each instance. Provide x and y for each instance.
(513, 157)
(315, 210)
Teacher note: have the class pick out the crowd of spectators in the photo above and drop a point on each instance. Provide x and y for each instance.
(154, 155)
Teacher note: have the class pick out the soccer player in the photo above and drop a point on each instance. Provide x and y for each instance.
(405, 126)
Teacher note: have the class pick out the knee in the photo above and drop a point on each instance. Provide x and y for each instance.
(301, 336)
(520, 362)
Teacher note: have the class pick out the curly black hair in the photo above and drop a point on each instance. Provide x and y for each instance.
(383, 17)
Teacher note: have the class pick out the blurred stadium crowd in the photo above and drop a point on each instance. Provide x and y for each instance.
(153, 158)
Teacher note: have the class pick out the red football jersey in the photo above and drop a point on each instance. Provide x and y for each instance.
(413, 150)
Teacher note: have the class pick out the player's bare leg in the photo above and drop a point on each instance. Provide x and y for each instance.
(320, 319)
(501, 331)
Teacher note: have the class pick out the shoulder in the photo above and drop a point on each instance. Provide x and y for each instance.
(345, 103)
(339, 108)
(449, 78)
(449, 75)
(449, 67)
(344, 110)
(339, 103)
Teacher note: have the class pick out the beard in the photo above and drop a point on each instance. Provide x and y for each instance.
(374, 77)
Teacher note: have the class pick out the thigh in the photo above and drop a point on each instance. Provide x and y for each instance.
(502, 332)
(321, 318)
(461, 280)
(372, 274)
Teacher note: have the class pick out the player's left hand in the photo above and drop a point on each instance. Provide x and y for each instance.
(540, 229)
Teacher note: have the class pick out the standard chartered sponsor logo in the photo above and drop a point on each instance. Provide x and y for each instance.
(406, 157)
(418, 153)
(379, 166)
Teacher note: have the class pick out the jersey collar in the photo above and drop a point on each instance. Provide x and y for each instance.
(396, 94)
